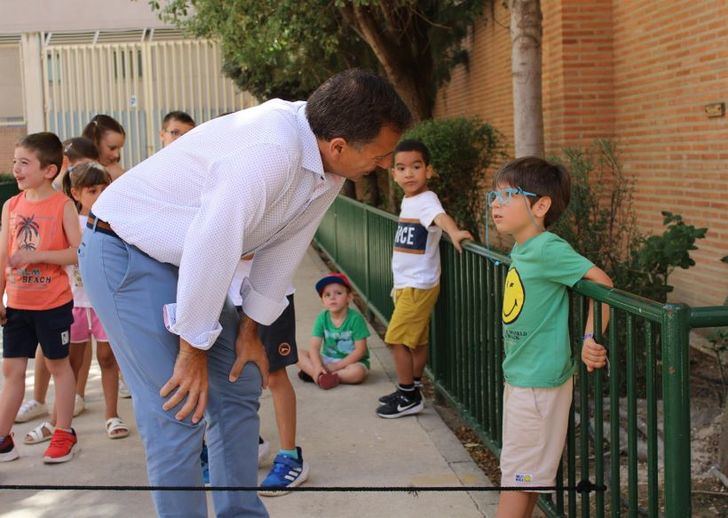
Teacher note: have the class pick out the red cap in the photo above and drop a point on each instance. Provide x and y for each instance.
(332, 278)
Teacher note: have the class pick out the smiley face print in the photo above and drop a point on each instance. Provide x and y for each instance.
(514, 297)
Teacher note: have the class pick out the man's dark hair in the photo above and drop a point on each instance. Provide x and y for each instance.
(47, 148)
(178, 115)
(541, 177)
(355, 105)
(77, 148)
(414, 145)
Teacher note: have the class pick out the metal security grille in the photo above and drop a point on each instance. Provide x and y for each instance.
(137, 83)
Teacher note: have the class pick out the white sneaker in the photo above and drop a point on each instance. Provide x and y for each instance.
(30, 410)
(123, 389)
(263, 450)
(79, 405)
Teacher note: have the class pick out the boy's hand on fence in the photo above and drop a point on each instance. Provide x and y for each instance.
(190, 379)
(593, 355)
(458, 236)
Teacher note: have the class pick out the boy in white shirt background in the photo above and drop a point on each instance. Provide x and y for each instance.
(416, 269)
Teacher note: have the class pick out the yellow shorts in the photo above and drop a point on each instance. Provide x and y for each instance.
(410, 322)
(535, 421)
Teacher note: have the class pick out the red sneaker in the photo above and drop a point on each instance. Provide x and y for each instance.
(62, 448)
(328, 380)
(8, 451)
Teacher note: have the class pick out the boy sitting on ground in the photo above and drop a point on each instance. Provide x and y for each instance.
(338, 352)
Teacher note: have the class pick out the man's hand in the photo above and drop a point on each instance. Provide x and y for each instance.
(3, 314)
(249, 348)
(190, 379)
(593, 355)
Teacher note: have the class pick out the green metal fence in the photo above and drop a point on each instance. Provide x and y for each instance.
(648, 348)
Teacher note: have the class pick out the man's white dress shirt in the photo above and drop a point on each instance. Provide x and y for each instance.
(251, 181)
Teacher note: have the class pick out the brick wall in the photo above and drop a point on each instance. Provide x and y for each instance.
(670, 59)
(9, 136)
(483, 88)
(639, 73)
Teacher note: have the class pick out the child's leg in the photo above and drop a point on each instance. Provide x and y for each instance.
(12, 393)
(76, 352)
(65, 383)
(83, 370)
(419, 360)
(284, 403)
(353, 374)
(305, 363)
(109, 377)
(41, 377)
(403, 363)
(516, 504)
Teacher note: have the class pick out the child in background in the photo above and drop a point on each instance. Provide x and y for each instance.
(174, 125)
(416, 269)
(530, 194)
(338, 352)
(39, 235)
(108, 136)
(279, 340)
(84, 183)
(77, 150)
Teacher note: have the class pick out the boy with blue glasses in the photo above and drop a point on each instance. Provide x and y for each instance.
(530, 194)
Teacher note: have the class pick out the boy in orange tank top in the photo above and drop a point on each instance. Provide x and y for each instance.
(40, 234)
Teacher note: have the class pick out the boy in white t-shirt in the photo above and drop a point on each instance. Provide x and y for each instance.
(416, 269)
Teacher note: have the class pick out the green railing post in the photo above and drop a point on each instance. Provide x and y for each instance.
(676, 394)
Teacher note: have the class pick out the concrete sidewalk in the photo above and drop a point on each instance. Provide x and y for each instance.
(344, 442)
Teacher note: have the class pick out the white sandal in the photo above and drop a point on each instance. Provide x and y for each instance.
(37, 434)
(114, 425)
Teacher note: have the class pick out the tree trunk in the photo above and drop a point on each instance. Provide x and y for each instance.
(411, 76)
(349, 189)
(526, 34)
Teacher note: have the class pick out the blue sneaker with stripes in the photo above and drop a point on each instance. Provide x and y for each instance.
(286, 472)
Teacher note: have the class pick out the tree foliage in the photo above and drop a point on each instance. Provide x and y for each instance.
(286, 48)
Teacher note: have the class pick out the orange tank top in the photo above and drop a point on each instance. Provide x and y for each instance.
(37, 225)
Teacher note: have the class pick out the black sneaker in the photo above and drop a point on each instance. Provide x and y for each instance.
(305, 377)
(402, 405)
(389, 397)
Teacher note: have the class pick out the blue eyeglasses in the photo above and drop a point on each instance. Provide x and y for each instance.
(504, 196)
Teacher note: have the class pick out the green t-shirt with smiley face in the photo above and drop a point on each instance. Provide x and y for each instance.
(536, 311)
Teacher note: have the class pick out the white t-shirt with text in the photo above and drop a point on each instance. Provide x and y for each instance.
(416, 257)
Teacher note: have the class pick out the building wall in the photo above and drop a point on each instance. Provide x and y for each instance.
(75, 15)
(11, 84)
(640, 73)
(9, 136)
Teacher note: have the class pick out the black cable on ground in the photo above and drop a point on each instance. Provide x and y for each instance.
(584, 486)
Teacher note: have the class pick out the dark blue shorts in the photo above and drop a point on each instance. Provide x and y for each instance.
(279, 339)
(26, 328)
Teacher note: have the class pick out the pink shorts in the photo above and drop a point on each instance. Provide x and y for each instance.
(85, 325)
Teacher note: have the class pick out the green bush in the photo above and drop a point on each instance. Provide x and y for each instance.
(462, 149)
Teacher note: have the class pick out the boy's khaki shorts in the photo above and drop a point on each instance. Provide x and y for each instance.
(410, 322)
(535, 421)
